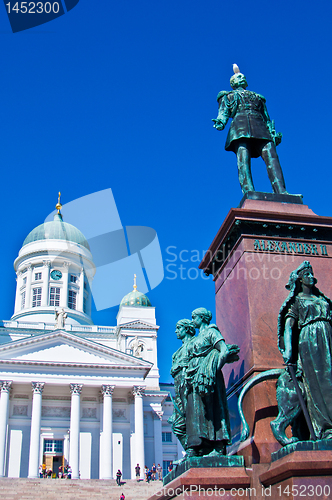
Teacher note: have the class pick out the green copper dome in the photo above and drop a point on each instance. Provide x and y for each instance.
(135, 299)
(57, 230)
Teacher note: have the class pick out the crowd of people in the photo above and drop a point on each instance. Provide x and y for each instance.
(64, 472)
(153, 474)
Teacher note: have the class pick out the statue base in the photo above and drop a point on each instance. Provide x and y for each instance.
(279, 198)
(305, 472)
(200, 462)
(320, 444)
(213, 477)
(251, 258)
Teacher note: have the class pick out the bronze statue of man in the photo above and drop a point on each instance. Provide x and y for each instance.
(251, 134)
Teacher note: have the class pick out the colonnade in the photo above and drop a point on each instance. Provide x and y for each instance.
(45, 284)
(74, 436)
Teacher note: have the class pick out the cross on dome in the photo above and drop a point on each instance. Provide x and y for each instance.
(58, 206)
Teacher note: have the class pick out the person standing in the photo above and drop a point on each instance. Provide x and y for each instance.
(118, 477)
(122, 497)
(153, 472)
(138, 472)
(160, 472)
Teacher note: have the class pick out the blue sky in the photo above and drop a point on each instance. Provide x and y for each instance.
(121, 95)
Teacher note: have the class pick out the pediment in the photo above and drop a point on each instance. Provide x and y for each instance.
(138, 325)
(64, 348)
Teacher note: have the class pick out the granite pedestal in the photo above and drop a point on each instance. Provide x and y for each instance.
(209, 477)
(251, 258)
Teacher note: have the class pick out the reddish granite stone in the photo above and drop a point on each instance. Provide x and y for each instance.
(305, 474)
(256, 249)
(206, 483)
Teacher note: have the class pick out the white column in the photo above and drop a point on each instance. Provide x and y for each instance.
(18, 292)
(37, 389)
(107, 391)
(28, 302)
(66, 448)
(158, 444)
(46, 281)
(64, 291)
(139, 428)
(81, 292)
(4, 408)
(74, 439)
(89, 299)
(101, 441)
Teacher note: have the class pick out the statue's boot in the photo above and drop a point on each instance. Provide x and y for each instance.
(244, 168)
(274, 171)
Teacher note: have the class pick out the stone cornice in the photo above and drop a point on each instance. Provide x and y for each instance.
(70, 365)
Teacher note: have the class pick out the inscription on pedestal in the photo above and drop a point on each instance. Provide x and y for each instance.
(289, 247)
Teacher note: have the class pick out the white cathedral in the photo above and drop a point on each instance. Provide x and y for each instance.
(73, 392)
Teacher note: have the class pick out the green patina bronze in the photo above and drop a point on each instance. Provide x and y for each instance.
(304, 387)
(251, 134)
(305, 339)
(185, 331)
(200, 419)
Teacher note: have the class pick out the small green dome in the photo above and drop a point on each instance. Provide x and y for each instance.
(135, 299)
(57, 230)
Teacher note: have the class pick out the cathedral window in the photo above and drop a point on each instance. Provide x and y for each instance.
(166, 437)
(53, 446)
(23, 300)
(84, 304)
(72, 299)
(36, 297)
(24, 281)
(38, 276)
(54, 296)
(166, 464)
(73, 278)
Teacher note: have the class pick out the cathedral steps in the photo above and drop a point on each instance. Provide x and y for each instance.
(67, 489)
